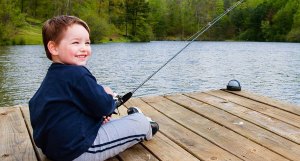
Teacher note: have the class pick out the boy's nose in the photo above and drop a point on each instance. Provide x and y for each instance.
(84, 47)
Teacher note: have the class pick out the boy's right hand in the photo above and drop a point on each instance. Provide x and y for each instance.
(108, 91)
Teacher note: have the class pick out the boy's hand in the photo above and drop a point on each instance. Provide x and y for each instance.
(106, 119)
(108, 91)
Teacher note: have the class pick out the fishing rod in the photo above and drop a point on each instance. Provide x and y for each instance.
(122, 99)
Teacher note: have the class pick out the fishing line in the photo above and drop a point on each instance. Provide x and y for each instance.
(127, 96)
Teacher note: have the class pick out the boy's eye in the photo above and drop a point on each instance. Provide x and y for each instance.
(88, 43)
(75, 42)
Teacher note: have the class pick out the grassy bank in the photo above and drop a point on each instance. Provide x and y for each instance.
(28, 35)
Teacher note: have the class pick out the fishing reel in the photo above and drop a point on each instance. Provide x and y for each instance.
(120, 100)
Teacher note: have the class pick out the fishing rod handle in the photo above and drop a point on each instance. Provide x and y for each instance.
(120, 100)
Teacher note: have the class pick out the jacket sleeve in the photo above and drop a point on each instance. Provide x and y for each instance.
(92, 98)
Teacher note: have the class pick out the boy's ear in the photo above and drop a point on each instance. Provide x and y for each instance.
(52, 48)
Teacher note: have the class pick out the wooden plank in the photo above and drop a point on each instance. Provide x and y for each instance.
(269, 101)
(259, 107)
(219, 135)
(165, 149)
(274, 125)
(112, 159)
(137, 153)
(15, 143)
(38, 151)
(259, 135)
(162, 147)
(188, 140)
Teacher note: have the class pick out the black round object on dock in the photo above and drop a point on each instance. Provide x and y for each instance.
(234, 85)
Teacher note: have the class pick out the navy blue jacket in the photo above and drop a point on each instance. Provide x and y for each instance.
(67, 111)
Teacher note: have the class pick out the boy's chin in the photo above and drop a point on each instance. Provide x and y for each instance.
(77, 63)
(81, 64)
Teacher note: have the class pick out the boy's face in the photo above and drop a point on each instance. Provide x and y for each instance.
(74, 47)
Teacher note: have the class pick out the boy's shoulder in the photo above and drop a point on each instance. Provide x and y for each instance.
(68, 70)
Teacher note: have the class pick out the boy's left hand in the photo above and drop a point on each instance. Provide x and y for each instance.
(106, 119)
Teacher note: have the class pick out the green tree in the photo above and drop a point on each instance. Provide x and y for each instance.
(294, 34)
(88, 10)
(137, 12)
(158, 18)
(10, 19)
(253, 23)
(283, 20)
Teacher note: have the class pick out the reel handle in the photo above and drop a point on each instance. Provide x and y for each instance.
(120, 100)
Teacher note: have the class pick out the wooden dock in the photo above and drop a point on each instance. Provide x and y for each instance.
(213, 125)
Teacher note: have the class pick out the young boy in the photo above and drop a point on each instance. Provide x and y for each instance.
(69, 112)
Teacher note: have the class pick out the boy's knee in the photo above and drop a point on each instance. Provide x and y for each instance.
(141, 121)
(141, 118)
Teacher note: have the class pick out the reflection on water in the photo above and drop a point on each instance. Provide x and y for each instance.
(270, 69)
(22, 70)
(4, 51)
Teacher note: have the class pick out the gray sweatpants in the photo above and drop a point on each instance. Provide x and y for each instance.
(118, 135)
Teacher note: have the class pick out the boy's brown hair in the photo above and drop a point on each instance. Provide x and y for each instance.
(55, 27)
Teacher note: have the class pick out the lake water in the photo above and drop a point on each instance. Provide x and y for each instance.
(271, 69)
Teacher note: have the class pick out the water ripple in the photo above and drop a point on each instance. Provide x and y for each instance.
(270, 69)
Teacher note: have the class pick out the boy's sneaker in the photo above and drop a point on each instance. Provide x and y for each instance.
(132, 110)
(154, 125)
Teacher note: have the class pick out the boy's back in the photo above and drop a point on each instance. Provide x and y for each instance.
(59, 112)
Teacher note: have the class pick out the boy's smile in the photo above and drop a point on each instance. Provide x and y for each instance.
(74, 47)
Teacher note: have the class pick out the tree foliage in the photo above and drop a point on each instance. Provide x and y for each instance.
(10, 19)
(146, 20)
